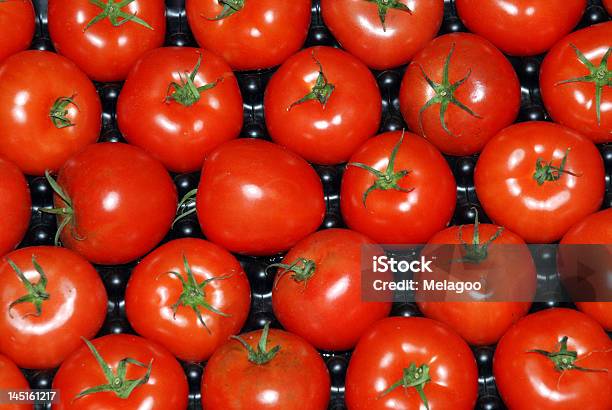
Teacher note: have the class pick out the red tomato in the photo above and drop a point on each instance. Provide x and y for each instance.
(16, 26)
(458, 92)
(50, 298)
(116, 203)
(594, 229)
(91, 378)
(12, 379)
(608, 6)
(250, 34)
(411, 363)
(575, 82)
(323, 104)
(383, 33)
(398, 199)
(261, 370)
(188, 295)
(160, 110)
(15, 204)
(106, 37)
(323, 272)
(258, 198)
(555, 359)
(521, 27)
(538, 179)
(50, 111)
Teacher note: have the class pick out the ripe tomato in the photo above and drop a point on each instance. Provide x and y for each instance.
(189, 295)
(405, 194)
(12, 379)
(575, 82)
(115, 203)
(121, 372)
(411, 363)
(323, 104)
(16, 26)
(250, 34)
(458, 92)
(265, 369)
(51, 297)
(383, 33)
(258, 198)
(511, 24)
(594, 229)
(608, 6)
(106, 37)
(555, 359)
(161, 111)
(323, 272)
(15, 203)
(538, 179)
(50, 111)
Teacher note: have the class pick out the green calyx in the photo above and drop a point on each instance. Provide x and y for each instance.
(476, 252)
(116, 16)
(262, 355)
(564, 359)
(548, 172)
(600, 75)
(385, 5)
(186, 206)
(445, 94)
(65, 214)
(389, 179)
(117, 383)
(37, 292)
(320, 92)
(186, 93)
(194, 294)
(413, 376)
(229, 7)
(59, 112)
(302, 270)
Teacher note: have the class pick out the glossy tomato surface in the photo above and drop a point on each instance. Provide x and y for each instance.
(608, 5)
(487, 101)
(74, 307)
(223, 302)
(166, 387)
(259, 34)
(15, 203)
(258, 198)
(123, 203)
(357, 26)
(574, 103)
(106, 52)
(295, 378)
(395, 344)
(11, 378)
(49, 108)
(528, 379)
(521, 27)
(539, 206)
(154, 113)
(394, 216)
(343, 108)
(15, 13)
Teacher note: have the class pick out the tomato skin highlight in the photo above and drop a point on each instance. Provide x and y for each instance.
(511, 24)
(323, 134)
(11, 378)
(166, 388)
(106, 53)
(357, 27)
(177, 135)
(574, 104)
(76, 306)
(150, 294)
(511, 196)
(491, 91)
(529, 380)
(15, 203)
(30, 83)
(258, 198)
(273, 30)
(16, 13)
